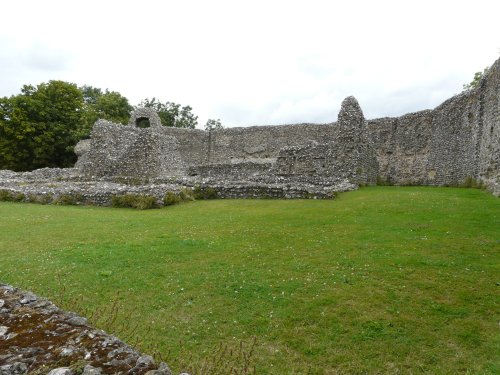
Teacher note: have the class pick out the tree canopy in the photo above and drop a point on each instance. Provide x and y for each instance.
(107, 105)
(40, 126)
(172, 114)
(476, 80)
(213, 124)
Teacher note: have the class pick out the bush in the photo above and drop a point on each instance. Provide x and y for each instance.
(42, 198)
(382, 182)
(9, 196)
(171, 198)
(18, 197)
(186, 194)
(68, 199)
(6, 196)
(138, 201)
(204, 192)
(473, 183)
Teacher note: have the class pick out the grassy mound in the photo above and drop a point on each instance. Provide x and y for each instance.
(380, 280)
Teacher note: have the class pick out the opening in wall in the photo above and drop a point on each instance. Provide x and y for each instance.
(142, 122)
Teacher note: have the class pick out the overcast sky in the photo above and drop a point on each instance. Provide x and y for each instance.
(254, 62)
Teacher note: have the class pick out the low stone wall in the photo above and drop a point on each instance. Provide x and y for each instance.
(232, 171)
(60, 185)
(278, 190)
(38, 337)
(63, 186)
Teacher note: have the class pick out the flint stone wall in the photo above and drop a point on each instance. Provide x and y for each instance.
(38, 337)
(307, 154)
(455, 142)
(458, 140)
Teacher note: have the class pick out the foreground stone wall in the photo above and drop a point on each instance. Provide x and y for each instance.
(38, 337)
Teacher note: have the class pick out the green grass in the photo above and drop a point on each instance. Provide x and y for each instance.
(381, 280)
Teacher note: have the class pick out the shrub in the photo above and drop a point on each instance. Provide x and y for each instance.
(9, 196)
(18, 197)
(382, 182)
(138, 201)
(5, 196)
(171, 198)
(471, 182)
(42, 199)
(186, 194)
(68, 199)
(45, 198)
(204, 192)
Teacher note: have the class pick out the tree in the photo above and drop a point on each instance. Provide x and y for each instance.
(40, 126)
(213, 125)
(477, 80)
(172, 114)
(108, 105)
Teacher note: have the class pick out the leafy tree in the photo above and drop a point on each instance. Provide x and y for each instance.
(39, 127)
(90, 94)
(213, 124)
(172, 114)
(108, 105)
(477, 79)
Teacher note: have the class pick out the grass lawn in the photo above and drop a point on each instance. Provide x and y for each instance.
(381, 280)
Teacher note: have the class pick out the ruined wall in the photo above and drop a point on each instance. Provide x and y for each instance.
(263, 143)
(306, 154)
(348, 156)
(434, 147)
(129, 150)
(125, 150)
(489, 150)
(454, 142)
(457, 141)
(402, 147)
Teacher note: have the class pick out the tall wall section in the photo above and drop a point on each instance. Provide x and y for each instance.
(457, 141)
(263, 143)
(489, 150)
(117, 150)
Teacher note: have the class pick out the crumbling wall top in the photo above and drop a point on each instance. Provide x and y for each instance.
(351, 113)
(140, 115)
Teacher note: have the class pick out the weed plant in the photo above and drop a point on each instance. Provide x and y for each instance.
(138, 201)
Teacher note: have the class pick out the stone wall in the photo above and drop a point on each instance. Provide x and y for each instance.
(454, 143)
(489, 136)
(263, 143)
(348, 156)
(126, 150)
(402, 147)
(38, 337)
(457, 141)
(305, 155)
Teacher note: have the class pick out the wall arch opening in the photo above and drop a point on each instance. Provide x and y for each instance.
(142, 122)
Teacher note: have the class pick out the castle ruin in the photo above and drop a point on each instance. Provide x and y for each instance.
(456, 142)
